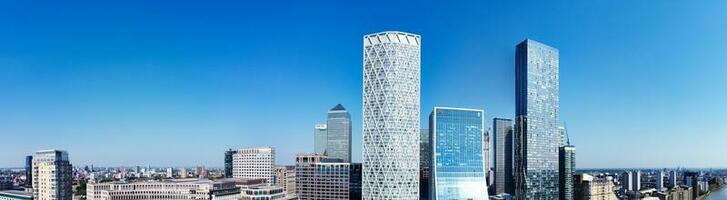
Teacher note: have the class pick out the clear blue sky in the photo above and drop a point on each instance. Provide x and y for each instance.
(176, 83)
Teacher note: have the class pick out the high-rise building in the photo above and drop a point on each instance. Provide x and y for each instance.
(458, 161)
(183, 172)
(339, 134)
(537, 121)
(567, 168)
(29, 171)
(285, 178)
(637, 181)
(354, 189)
(691, 179)
(228, 163)
(52, 175)
(424, 160)
(673, 179)
(170, 172)
(660, 180)
(503, 139)
(321, 178)
(587, 187)
(391, 89)
(627, 183)
(320, 135)
(254, 163)
(201, 171)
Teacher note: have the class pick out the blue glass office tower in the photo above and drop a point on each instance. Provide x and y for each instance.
(458, 162)
(339, 134)
(536, 126)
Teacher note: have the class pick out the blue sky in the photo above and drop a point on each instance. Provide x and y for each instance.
(172, 83)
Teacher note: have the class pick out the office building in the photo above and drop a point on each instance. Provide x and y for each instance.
(660, 181)
(391, 91)
(503, 141)
(52, 175)
(626, 180)
(252, 163)
(29, 171)
(566, 169)
(636, 182)
(228, 163)
(587, 187)
(15, 195)
(181, 189)
(673, 179)
(321, 178)
(537, 120)
(339, 134)
(424, 161)
(170, 172)
(354, 189)
(458, 163)
(285, 178)
(320, 138)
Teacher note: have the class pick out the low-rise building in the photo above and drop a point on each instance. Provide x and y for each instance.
(180, 189)
(15, 195)
(590, 187)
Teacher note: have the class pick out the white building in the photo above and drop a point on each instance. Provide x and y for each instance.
(181, 189)
(391, 106)
(52, 175)
(253, 163)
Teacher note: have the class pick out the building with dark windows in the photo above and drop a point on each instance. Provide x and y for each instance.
(503, 141)
(228, 164)
(52, 175)
(318, 177)
(425, 159)
(29, 171)
(355, 182)
(458, 159)
(339, 134)
(537, 120)
(567, 168)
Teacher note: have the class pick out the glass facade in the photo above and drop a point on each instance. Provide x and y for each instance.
(320, 134)
(567, 162)
(537, 120)
(339, 134)
(503, 138)
(458, 161)
(391, 90)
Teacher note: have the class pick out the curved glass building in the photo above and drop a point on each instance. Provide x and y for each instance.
(391, 115)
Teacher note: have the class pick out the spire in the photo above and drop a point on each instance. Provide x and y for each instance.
(338, 107)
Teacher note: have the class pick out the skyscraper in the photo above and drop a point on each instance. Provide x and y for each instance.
(673, 179)
(637, 181)
(424, 160)
(228, 163)
(339, 133)
(458, 159)
(537, 120)
(627, 181)
(567, 168)
(660, 180)
(254, 163)
(320, 134)
(503, 138)
(52, 175)
(29, 171)
(391, 89)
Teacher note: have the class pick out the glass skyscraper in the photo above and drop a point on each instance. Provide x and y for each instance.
(320, 138)
(503, 138)
(567, 168)
(537, 120)
(391, 89)
(339, 134)
(458, 159)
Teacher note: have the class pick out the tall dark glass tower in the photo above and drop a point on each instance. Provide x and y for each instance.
(537, 120)
(29, 171)
(567, 168)
(339, 134)
(503, 138)
(228, 163)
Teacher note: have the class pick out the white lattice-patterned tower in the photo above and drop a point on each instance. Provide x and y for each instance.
(391, 89)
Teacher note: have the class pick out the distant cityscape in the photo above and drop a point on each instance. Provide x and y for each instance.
(449, 158)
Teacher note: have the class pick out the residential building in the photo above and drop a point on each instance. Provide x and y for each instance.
(660, 180)
(627, 181)
(537, 120)
(673, 179)
(691, 179)
(15, 195)
(503, 141)
(567, 169)
(355, 181)
(458, 161)
(320, 138)
(29, 171)
(228, 162)
(636, 182)
(252, 163)
(587, 187)
(677, 193)
(321, 178)
(170, 172)
(285, 178)
(339, 134)
(201, 172)
(52, 175)
(391, 92)
(182, 172)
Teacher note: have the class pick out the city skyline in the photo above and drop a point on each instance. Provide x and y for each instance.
(109, 106)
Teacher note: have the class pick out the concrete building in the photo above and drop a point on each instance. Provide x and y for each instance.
(673, 179)
(587, 187)
(503, 141)
(677, 193)
(339, 134)
(183, 172)
(285, 178)
(180, 189)
(458, 159)
(636, 182)
(252, 163)
(660, 181)
(170, 172)
(320, 138)
(391, 112)
(52, 175)
(321, 178)
(537, 110)
(15, 195)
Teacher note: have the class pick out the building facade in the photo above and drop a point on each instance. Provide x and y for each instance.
(52, 175)
(660, 181)
(636, 182)
(228, 163)
(15, 195)
(339, 134)
(537, 120)
(181, 189)
(566, 169)
(627, 181)
(320, 138)
(254, 163)
(391, 92)
(503, 141)
(587, 187)
(29, 171)
(354, 189)
(321, 178)
(285, 178)
(458, 159)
